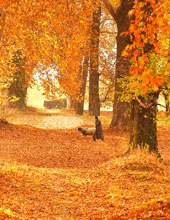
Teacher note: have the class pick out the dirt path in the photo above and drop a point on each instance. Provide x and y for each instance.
(60, 122)
(50, 121)
(57, 148)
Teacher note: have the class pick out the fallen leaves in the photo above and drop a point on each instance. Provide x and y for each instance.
(154, 209)
(59, 174)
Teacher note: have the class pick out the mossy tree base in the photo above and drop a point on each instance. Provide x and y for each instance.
(143, 131)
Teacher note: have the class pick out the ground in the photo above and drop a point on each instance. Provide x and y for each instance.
(60, 174)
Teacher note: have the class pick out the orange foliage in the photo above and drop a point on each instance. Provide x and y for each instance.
(47, 32)
(57, 33)
(148, 33)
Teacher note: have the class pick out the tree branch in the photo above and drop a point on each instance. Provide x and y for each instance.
(110, 8)
(142, 104)
(161, 105)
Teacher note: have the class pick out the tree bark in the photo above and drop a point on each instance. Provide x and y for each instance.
(94, 101)
(71, 103)
(80, 105)
(143, 116)
(121, 110)
(143, 132)
(2, 22)
(143, 127)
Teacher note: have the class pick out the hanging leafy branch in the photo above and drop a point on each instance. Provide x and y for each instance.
(149, 35)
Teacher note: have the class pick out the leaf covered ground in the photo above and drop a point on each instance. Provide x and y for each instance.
(60, 174)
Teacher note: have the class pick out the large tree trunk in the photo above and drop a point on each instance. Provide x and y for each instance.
(143, 122)
(143, 131)
(94, 101)
(121, 109)
(80, 104)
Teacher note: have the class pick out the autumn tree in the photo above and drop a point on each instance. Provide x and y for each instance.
(148, 29)
(120, 15)
(107, 58)
(147, 32)
(51, 33)
(94, 100)
(60, 43)
(83, 75)
(17, 87)
(5, 61)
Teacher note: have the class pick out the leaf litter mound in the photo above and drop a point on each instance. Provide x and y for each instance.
(59, 174)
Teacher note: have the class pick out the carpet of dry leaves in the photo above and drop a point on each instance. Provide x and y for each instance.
(60, 174)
